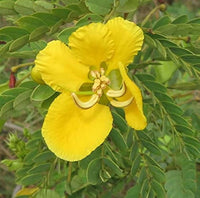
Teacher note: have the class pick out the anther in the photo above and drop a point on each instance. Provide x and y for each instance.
(86, 105)
(119, 104)
(93, 74)
(116, 93)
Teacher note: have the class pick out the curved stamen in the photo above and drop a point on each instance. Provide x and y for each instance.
(116, 103)
(116, 93)
(86, 105)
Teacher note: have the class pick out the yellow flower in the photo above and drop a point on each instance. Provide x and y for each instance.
(94, 61)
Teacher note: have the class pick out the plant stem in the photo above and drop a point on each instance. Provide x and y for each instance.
(107, 17)
(150, 14)
(15, 68)
(69, 173)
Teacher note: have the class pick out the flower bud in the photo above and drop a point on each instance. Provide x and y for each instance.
(36, 76)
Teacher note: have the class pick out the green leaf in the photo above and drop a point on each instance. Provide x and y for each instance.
(180, 19)
(134, 151)
(6, 109)
(22, 171)
(31, 144)
(135, 165)
(191, 140)
(18, 43)
(48, 193)
(22, 100)
(94, 155)
(113, 166)
(42, 6)
(24, 7)
(42, 92)
(62, 13)
(193, 59)
(185, 130)
(30, 23)
(40, 168)
(165, 71)
(28, 84)
(161, 49)
(119, 122)
(128, 5)
(5, 48)
(163, 97)
(151, 42)
(159, 190)
(110, 152)
(44, 156)
(180, 51)
(172, 108)
(56, 26)
(118, 139)
(93, 171)
(151, 161)
(145, 77)
(28, 159)
(162, 21)
(157, 173)
(14, 92)
(64, 34)
(101, 7)
(38, 33)
(178, 119)
(151, 147)
(154, 86)
(13, 32)
(47, 18)
(133, 192)
(31, 179)
(7, 7)
(167, 43)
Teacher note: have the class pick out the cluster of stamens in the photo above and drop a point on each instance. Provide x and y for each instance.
(100, 81)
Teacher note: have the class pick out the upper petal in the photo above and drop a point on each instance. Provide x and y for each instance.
(73, 133)
(92, 44)
(133, 112)
(59, 68)
(128, 39)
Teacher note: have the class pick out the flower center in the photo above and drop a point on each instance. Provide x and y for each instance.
(100, 81)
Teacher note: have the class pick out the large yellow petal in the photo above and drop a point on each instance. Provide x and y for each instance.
(73, 133)
(128, 39)
(59, 68)
(92, 44)
(133, 112)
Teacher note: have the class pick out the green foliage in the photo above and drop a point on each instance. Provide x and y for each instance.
(159, 161)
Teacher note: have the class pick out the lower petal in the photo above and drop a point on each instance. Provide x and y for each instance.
(134, 112)
(73, 133)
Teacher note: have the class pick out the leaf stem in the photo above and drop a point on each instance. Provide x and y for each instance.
(15, 68)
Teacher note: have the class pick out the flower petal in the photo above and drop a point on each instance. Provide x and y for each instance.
(73, 133)
(128, 39)
(134, 111)
(59, 68)
(92, 44)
